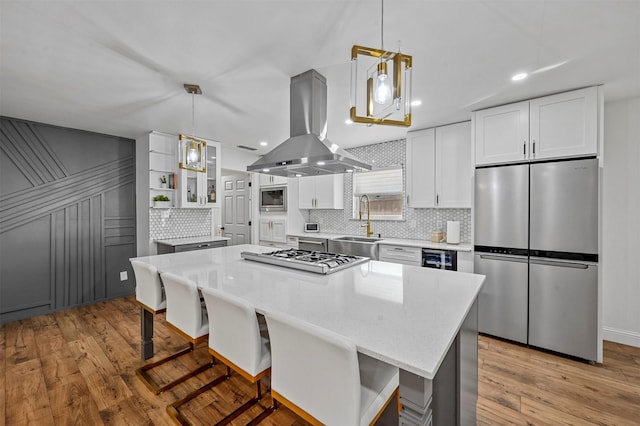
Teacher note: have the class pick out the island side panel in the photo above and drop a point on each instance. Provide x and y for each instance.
(468, 368)
(451, 397)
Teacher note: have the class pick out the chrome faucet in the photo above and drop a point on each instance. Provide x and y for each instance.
(368, 225)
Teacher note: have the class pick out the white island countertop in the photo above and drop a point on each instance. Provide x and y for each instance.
(407, 316)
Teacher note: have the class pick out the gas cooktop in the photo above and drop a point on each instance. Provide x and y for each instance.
(306, 260)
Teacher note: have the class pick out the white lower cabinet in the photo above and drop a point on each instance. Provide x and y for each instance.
(465, 261)
(273, 231)
(400, 254)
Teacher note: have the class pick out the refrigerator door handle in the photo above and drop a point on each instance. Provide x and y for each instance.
(504, 258)
(559, 264)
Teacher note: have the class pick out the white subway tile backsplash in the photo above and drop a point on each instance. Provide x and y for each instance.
(417, 223)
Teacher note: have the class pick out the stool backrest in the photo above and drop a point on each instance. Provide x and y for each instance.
(184, 310)
(149, 290)
(315, 369)
(234, 331)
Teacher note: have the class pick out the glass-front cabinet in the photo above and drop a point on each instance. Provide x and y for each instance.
(198, 189)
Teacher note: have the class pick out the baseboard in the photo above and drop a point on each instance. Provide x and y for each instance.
(625, 337)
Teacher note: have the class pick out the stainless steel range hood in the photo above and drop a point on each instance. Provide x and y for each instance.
(307, 152)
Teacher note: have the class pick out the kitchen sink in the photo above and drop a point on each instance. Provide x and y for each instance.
(359, 239)
(356, 246)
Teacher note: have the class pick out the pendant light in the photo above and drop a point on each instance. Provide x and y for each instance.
(386, 91)
(192, 151)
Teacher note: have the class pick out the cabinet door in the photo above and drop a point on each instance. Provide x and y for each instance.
(190, 188)
(213, 175)
(266, 233)
(502, 134)
(279, 231)
(565, 125)
(267, 180)
(329, 191)
(306, 192)
(453, 165)
(421, 174)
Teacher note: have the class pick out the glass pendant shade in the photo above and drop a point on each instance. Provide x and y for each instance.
(192, 153)
(380, 87)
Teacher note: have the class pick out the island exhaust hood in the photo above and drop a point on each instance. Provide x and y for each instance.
(307, 152)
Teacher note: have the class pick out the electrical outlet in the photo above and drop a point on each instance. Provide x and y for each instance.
(124, 276)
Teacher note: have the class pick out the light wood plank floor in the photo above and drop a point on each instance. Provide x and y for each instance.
(77, 367)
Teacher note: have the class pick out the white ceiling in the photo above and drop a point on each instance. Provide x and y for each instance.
(118, 67)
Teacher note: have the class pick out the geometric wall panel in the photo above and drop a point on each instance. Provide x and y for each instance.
(67, 217)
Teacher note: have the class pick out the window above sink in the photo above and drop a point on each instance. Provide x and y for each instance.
(384, 189)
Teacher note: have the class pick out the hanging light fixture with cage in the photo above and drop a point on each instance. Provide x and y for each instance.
(192, 151)
(380, 84)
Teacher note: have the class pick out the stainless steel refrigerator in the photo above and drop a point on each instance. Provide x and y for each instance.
(536, 240)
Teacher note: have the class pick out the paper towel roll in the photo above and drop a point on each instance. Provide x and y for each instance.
(453, 232)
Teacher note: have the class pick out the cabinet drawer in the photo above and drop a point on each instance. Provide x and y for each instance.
(401, 254)
(166, 248)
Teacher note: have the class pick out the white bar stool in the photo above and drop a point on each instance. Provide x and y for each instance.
(151, 298)
(235, 340)
(320, 375)
(185, 316)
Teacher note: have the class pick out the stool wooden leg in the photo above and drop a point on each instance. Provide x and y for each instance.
(146, 334)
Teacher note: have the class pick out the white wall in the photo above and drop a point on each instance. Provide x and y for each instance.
(621, 222)
(236, 159)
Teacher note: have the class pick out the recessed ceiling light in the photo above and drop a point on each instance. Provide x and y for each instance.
(265, 170)
(263, 143)
(298, 175)
(348, 121)
(519, 76)
(417, 102)
(320, 163)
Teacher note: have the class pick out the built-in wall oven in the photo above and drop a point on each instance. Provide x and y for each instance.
(440, 259)
(273, 199)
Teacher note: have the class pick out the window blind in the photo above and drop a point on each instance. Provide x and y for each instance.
(382, 181)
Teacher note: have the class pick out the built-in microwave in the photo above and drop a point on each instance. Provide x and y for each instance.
(273, 199)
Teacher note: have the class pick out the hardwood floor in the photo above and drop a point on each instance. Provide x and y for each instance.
(77, 367)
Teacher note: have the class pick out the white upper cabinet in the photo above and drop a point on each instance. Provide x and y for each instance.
(420, 168)
(439, 167)
(321, 192)
(453, 165)
(502, 134)
(198, 189)
(565, 125)
(556, 126)
(268, 180)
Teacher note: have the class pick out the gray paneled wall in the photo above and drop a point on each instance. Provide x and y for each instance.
(67, 217)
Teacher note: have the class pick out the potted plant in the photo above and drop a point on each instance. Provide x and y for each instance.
(161, 201)
(163, 181)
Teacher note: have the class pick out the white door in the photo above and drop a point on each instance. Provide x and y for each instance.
(421, 174)
(235, 209)
(502, 134)
(565, 125)
(453, 165)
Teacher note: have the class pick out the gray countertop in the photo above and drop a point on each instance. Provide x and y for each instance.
(191, 240)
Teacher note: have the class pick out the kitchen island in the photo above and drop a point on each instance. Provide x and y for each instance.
(422, 320)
